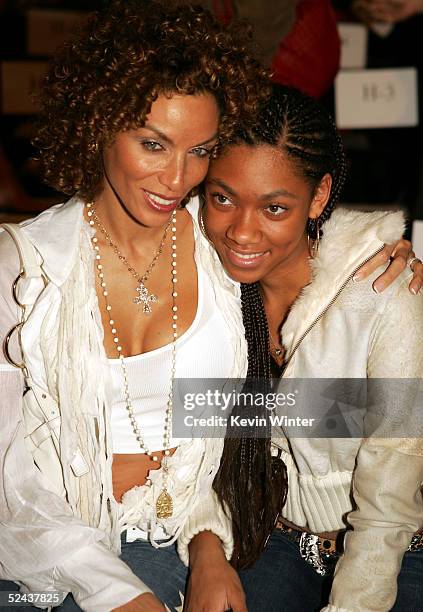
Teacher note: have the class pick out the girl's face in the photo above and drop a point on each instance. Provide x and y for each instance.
(257, 206)
(154, 167)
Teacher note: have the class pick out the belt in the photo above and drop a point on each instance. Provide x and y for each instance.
(416, 541)
(321, 553)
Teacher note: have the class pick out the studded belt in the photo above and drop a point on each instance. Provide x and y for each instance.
(321, 553)
(416, 542)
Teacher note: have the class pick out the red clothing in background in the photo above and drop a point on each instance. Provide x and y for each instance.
(308, 57)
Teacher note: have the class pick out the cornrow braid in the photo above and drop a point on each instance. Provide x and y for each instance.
(262, 482)
(252, 484)
(256, 331)
(302, 129)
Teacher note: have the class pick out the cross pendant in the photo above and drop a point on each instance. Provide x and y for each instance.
(145, 298)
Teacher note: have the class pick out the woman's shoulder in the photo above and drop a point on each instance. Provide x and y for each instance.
(9, 271)
(50, 219)
(9, 256)
(353, 227)
(54, 233)
(352, 237)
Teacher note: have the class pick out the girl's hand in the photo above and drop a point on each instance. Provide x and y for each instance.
(147, 602)
(214, 585)
(399, 253)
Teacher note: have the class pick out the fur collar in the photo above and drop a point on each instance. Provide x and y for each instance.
(350, 237)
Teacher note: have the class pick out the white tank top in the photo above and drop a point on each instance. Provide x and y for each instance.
(203, 351)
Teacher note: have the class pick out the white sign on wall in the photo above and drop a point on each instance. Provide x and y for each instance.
(353, 38)
(376, 98)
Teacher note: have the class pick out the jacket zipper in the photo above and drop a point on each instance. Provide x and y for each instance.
(333, 300)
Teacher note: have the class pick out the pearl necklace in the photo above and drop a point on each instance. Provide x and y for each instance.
(164, 503)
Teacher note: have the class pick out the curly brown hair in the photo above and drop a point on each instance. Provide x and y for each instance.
(105, 79)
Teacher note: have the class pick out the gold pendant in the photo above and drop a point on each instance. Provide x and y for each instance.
(164, 505)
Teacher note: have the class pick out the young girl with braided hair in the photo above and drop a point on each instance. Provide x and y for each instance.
(269, 211)
(94, 489)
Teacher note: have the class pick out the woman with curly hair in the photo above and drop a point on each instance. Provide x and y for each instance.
(119, 295)
(131, 110)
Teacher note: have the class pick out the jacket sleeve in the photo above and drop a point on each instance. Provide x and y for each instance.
(43, 546)
(389, 471)
(208, 515)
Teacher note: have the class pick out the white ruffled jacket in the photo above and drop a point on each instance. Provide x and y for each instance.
(361, 334)
(48, 543)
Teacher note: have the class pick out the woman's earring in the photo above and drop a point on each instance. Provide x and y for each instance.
(314, 230)
(200, 217)
(201, 224)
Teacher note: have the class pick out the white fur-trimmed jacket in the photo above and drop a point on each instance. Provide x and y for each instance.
(46, 542)
(361, 334)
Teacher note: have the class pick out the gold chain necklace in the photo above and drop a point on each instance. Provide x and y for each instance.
(144, 297)
(274, 348)
(164, 502)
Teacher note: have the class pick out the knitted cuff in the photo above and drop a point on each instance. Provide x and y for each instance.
(208, 515)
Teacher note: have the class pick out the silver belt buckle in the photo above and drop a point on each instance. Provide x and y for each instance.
(415, 541)
(309, 551)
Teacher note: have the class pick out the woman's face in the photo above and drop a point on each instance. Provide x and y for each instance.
(154, 167)
(257, 205)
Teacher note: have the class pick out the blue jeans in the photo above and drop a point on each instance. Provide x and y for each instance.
(281, 581)
(160, 569)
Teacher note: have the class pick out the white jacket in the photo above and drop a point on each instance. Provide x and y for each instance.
(65, 535)
(341, 329)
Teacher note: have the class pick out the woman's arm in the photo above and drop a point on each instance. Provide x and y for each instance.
(389, 471)
(206, 544)
(213, 583)
(208, 515)
(42, 545)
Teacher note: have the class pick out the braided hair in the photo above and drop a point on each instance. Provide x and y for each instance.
(251, 484)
